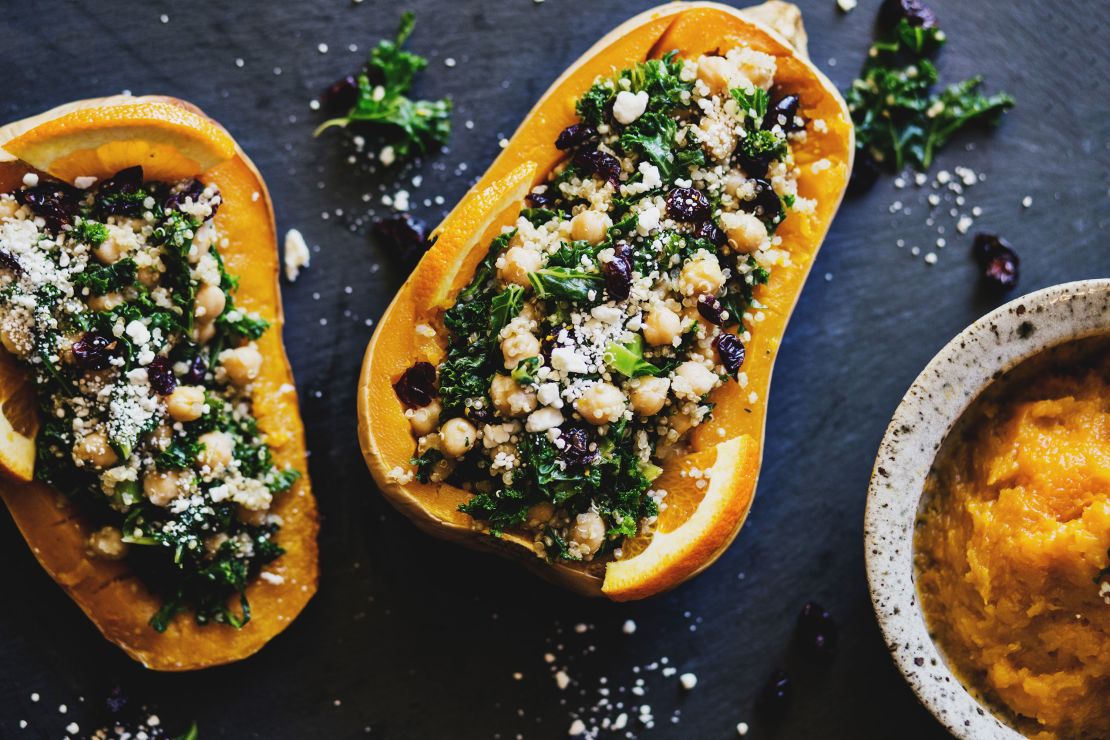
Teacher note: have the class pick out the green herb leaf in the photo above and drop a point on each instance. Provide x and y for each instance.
(628, 359)
(103, 279)
(576, 286)
(407, 125)
(525, 371)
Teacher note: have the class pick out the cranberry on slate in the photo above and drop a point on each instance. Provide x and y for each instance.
(94, 351)
(196, 371)
(160, 374)
(710, 309)
(403, 233)
(341, 94)
(731, 350)
(618, 273)
(914, 11)
(574, 136)
(416, 387)
(687, 204)
(865, 173)
(576, 451)
(55, 201)
(595, 162)
(782, 113)
(775, 697)
(816, 631)
(708, 230)
(111, 195)
(997, 260)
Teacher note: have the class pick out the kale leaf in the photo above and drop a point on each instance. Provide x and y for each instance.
(103, 279)
(577, 286)
(405, 124)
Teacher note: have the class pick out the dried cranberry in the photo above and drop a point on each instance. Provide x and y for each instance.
(8, 261)
(766, 204)
(403, 233)
(596, 162)
(710, 309)
(191, 191)
(539, 200)
(914, 11)
(708, 230)
(865, 172)
(574, 136)
(417, 386)
(997, 260)
(576, 452)
(730, 349)
(341, 95)
(197, 368)
(687, 204)
(775, 698)
(56, 202)
(160, 374)
(618, 273)
(816, 631)
(94, 351)
(782, 114)
(118, 195)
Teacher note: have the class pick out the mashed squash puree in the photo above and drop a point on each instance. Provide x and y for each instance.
(1012, 544)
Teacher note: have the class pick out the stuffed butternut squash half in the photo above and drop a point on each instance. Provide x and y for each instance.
(150, 438)
(576, 373)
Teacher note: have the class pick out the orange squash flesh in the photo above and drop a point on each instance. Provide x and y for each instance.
(692, 29)
(116, 601)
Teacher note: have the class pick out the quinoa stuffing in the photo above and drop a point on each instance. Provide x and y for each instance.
(116, 299)
(589, 340)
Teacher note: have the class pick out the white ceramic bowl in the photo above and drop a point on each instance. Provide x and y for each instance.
(936, 400)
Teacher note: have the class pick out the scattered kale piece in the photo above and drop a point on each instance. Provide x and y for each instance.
(628, 359)
(525, 371)
(103, 279)
(425, 463)
(382, 99)
(91, 232)
(899, 120)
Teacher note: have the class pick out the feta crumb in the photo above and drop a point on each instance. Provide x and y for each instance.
(629, 627)
(577, 727)
(846, 6)
(1027, 201)
(297, 255)
(562, 680)
(629, 106)
(742, 729)
(688, 680)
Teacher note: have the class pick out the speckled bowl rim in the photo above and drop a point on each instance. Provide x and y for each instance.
(938, 397)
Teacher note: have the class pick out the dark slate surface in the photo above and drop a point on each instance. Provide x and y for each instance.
(413, 638)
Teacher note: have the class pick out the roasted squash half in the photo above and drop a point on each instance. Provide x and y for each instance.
(730, 444)
(113, 597)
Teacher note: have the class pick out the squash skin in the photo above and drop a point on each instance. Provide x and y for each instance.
(692, 28)
(112, 597)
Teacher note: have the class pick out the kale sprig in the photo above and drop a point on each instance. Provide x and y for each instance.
(899, 120)
(382, 99)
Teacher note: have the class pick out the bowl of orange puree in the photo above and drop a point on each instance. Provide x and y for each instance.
(987, 528)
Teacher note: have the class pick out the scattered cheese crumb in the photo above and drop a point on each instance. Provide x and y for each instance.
(688, 680)
(846, 6)
(297, 255)
(629, 627)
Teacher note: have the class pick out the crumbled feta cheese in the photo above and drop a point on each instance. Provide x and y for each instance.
(627, 106)
(297, 255)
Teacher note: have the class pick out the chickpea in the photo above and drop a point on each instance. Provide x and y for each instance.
(210, 303)
(590, 226)
(661, 326)
(702, 275)
(745, 232)
(603, 403)
(457, 436)
(219, 449)
(148, 276)
(588, 533)
(241, 364)
(540, 514)
(94, 449)
(649, 395)
(717, 73)
(186, 403)
(109, 251)
(163, 487)
(257, 517)
(510, 398)
(733, 182)
(105, 302)
(693, 380)
(203, 331)
(107, 543)
(519, 347)
(757, 67)
(518, 262)
(425, 419)
(9, 206)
